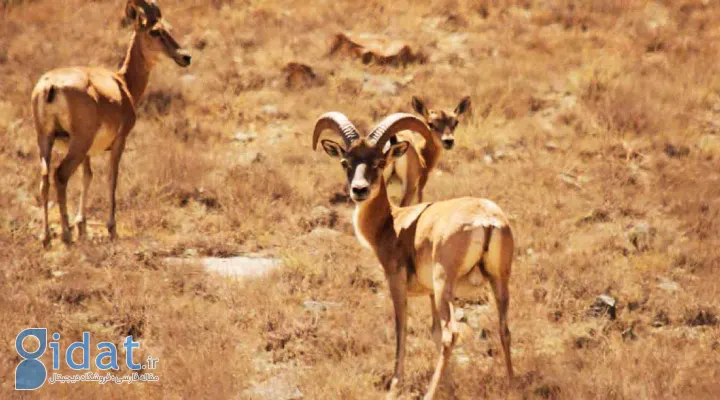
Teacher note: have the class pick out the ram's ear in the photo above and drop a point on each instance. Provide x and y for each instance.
(464, 106)
(419, 106)
(332, 148)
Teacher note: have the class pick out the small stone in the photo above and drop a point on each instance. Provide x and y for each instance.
(271, 110)
(571, 180)
(317, 306)
(379, 85)
(551, 145)
(245, 137)
(603, 305)
(668, 285)
(58, 274)
(488, 159)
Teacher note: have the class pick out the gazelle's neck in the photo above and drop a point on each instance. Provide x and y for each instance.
(135, 71)
(432, 152)
(372, 216)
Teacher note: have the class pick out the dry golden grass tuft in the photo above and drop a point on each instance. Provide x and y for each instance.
(596, 126)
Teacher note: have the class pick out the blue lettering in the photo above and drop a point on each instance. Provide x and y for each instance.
(30, 374)
(129, 345)
(110, 352)
(85, 347)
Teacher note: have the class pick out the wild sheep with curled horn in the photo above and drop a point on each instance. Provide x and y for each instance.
(441, 249)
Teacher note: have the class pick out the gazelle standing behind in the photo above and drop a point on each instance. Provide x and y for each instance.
(92, 110)
(440, 249)
(412, 170)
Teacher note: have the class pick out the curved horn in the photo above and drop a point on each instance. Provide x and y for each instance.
(339, 123)
(395, 123)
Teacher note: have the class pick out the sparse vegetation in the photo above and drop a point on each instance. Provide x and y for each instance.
(596, 128)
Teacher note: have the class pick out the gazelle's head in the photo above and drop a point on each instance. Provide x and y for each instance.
(154, 32)
(441, 122)
(363, 158)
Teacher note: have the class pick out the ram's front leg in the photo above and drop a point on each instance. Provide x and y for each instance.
(397, 281)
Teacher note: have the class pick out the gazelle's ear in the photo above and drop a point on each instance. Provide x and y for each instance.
(419, 106)
(397, 150)
(333, 149)
(136, 15)
(131, 11)
(463, 106)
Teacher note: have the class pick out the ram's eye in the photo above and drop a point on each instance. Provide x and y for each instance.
(345, 163)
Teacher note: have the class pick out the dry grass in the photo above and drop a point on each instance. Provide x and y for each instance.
(597, 115)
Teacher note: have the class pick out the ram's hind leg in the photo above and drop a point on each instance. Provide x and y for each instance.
(498, 262)
(436, 331)
(502, 299)
(443, 294)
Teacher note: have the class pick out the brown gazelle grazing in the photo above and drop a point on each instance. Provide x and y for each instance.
(92, 110)
(412, 170)
(440, 249)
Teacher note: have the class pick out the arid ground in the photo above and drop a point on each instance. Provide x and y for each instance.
(595, 126)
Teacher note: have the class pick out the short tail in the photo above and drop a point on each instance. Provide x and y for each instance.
(50, 94)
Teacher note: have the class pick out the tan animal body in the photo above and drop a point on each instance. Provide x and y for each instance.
(440, 249)
(92, 110)
(407, 176)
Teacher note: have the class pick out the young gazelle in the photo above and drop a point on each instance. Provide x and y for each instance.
(412, 170)
(440, 249)
(92, 110)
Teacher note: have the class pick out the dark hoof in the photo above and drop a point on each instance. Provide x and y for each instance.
(111, 231)
(82, 229)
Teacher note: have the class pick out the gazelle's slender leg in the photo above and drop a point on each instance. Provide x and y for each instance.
(45, 144)
(80, 220)
(398, 291)
(443, 302)
(75, 156)
(115, 155)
